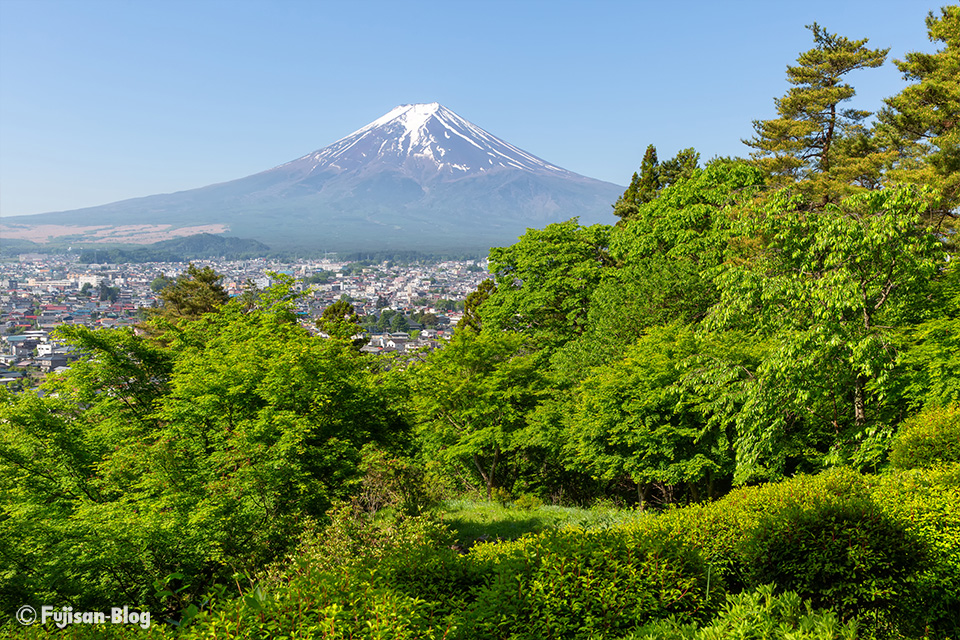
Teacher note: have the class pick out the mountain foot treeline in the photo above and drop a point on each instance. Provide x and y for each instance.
(757, 366)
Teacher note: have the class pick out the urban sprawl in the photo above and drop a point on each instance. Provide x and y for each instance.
(403, 307)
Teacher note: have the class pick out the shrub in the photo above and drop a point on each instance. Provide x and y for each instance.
(722, 529)
(356, 578)
(929, 438)
(528, 502)
(757, 615)
(390, 481)
(927, 503)
(584, 584)
(847, 556)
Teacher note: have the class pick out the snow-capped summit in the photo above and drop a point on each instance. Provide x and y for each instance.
(420, 177)
(429, 141)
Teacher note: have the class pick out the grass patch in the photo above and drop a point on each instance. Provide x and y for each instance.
(474, 521)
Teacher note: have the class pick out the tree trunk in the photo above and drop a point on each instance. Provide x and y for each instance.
(859, 401)
(487, 480)
(643, 493)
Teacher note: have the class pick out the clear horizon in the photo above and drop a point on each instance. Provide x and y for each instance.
(103, 100)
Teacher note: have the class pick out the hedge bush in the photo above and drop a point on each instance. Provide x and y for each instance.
(849, 557)
(722, 529)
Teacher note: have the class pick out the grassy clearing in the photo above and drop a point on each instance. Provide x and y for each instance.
(474, 520)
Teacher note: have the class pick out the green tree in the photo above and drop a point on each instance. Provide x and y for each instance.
(545, 280)
(202, 459)
(471, 398)
(680, 167)
(643, 187)
(832, 292)
(428, 320)
(814, 143)
(67, 530)
(931, 349)
(925, 116)
(160, 283)
(471, 306)
(625, 207)
(399, 323)
(649, 183)
(108, 293)
(661, 264)
(635, 419)
(383, 322)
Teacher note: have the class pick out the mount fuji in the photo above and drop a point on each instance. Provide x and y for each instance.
(418, 178)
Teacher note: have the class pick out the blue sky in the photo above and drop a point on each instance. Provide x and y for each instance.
(102, 100)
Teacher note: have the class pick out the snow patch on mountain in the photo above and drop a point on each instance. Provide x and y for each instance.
(422, 139)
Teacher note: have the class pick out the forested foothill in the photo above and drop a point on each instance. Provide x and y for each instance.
(733, 414)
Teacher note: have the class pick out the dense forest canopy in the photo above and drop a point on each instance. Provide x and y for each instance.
(769, 342)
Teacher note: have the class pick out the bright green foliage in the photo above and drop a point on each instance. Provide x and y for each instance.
(930, 438)
(471, 399)
(815, 143)
(544, 282)
(722, 529)
(642, 577)
(661, 262)
(351, 580)
(925, 117)
(65, 532)
(931, 356)
(827, 288)
(758, 615)
(477, 520)
(584, 584)
(633, 419)
(823, 536)
(267, 424)
(926, 502)
(201, 460)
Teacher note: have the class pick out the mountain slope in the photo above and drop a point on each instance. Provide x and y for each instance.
(420, 177)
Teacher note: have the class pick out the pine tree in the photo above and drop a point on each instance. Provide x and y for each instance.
(626, 206)
(649, 176)
(825, 150)
(643, 188)
(680, 167)
(924, 118)
(192, 294)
